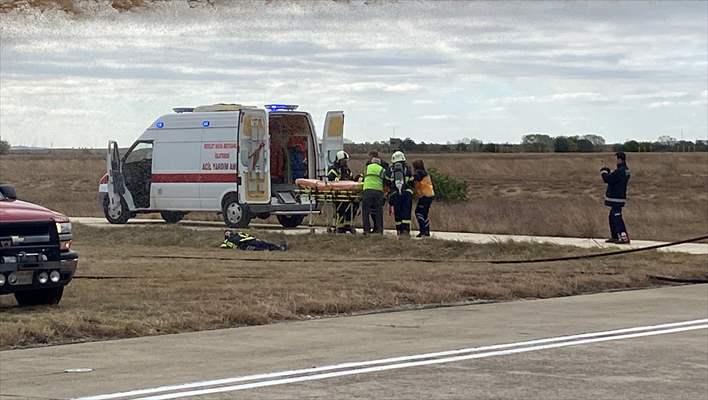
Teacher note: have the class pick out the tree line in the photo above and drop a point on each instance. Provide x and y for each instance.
(532, 143)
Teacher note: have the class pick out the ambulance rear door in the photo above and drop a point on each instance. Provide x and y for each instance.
(254, 157)
(332, 139)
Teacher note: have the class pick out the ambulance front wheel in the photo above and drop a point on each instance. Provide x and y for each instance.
(120, 216)
(290, 221)
(235, 215)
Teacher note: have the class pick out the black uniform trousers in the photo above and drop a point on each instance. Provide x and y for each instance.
(422, 212)
(372, 201)
(402, 207)
(617, 226)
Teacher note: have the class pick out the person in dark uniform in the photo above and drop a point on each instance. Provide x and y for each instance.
(244, 241)
(400, 181)
(345, 210)
(616, 198)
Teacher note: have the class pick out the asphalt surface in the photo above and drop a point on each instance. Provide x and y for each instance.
(645, 360)
(480, 238)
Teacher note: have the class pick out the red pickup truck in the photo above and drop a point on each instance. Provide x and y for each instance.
(36, 260)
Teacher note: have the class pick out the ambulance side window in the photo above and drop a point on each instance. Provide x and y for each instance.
(140, 152)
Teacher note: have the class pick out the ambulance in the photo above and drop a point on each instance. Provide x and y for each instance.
(238, 161)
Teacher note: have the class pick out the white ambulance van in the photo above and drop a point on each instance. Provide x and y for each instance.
(234, 160)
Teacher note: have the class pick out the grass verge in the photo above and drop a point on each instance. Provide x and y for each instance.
(320, 276)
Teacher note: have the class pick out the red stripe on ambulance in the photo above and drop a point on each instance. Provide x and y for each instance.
(194, 178)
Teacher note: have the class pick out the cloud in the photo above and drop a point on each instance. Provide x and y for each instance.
(436, 117)
(363, 57)
(588, 97)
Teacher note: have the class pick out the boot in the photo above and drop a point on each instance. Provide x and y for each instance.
(623, 238)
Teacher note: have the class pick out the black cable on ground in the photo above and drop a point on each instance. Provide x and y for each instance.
(425, 260)
(595, 255)
(537, 260)
(677, 280)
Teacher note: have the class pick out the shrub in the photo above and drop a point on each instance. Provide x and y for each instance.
(448, 187)
(4, 147)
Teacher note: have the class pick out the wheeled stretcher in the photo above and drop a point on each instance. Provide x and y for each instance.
(329, 194)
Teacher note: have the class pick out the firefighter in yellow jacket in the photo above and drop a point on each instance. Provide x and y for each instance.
(425, 193)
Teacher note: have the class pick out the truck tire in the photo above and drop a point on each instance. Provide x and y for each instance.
(290, 221)
(172, 217)
(120, 218)
(235, 215)
(36, 297)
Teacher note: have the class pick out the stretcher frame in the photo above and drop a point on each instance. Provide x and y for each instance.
(329, 198)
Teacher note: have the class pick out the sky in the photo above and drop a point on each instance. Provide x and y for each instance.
(431, 71)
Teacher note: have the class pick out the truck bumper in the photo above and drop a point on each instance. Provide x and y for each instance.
(25, 275)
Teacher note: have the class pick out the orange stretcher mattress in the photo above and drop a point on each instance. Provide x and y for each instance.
(322, 186)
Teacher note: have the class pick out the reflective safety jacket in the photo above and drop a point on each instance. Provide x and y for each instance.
(236, 240)
(374, 177)
(337, 172)
(423, 184)
(617, 180)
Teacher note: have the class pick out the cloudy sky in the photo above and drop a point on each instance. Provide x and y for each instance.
(433, 71)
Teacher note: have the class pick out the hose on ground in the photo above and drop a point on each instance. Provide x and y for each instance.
(528, 261)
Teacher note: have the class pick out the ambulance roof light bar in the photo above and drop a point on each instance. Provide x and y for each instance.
(281, 107)
(180, 110)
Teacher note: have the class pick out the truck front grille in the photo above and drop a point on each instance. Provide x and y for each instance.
(29, 237)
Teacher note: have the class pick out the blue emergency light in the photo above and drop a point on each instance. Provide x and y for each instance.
(205, 123)
(281, 107)
(160, 124)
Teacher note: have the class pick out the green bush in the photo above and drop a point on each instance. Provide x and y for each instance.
(448, 187)
(4, 147)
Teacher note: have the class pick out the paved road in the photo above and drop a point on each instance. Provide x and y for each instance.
(644, 344)
(481, 238)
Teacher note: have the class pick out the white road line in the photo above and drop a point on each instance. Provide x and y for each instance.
(396, 361)
(414, 364)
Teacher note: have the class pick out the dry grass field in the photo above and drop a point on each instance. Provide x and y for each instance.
(540, 194)
(126, 288)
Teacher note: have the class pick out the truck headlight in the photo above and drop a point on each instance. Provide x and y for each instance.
(54, 276)
(42, 278)
(63, 227)
(2, 280)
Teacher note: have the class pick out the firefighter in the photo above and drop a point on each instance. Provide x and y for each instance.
(244, 241)
(345, 210)
(373, 196)
(425, 193)
(400, 181)
(616, 198)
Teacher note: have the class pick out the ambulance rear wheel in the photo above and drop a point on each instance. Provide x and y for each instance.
(172, 217)
(120, 216)
(290, 221)
(235, 215)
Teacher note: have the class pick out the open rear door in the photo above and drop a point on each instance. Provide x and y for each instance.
(254, 157)
(332, 139)
(116, 182)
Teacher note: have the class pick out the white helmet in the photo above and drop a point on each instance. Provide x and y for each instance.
(342, 155)
(397, 157)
